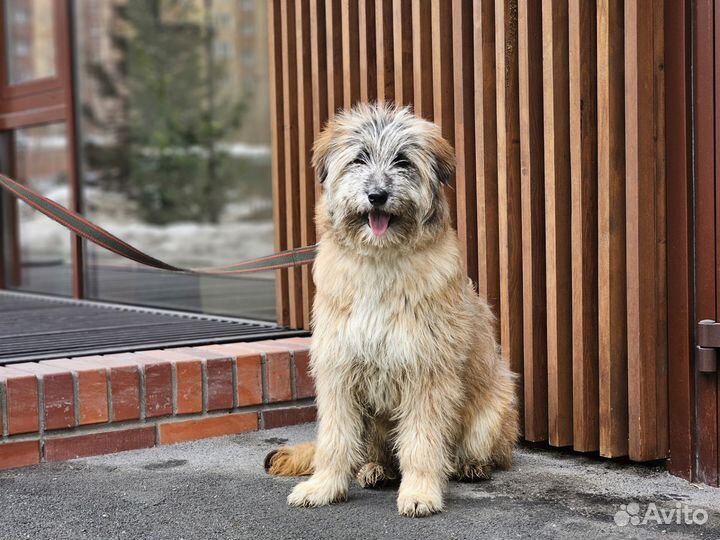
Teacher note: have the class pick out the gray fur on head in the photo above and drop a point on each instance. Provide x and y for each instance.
(382, 149)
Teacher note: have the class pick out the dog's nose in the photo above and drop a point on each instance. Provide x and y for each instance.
(378, 198)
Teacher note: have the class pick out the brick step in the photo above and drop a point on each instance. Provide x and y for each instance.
(63, 409)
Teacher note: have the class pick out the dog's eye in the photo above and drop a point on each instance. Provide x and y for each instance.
(361, 159)
(401, 161)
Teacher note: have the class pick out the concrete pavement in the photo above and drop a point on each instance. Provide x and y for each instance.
(217, 488)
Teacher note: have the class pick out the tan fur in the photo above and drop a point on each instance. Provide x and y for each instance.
(404, 355)
(294, 461)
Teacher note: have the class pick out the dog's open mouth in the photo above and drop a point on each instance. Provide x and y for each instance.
(379, 222)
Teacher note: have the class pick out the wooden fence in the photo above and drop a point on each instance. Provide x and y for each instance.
(556, 111)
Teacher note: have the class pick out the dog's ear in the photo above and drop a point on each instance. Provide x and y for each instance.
(443, 158)
(321, 150)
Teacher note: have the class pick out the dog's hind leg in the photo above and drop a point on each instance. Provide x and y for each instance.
(474, 458)
(490, 422)
(380, 468)
(291, 460)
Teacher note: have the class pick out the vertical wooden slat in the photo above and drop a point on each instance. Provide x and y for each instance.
(318, 65)
(463, 65)
(334, 56)
(292, 188)
(277, 124)
(658, 47)
(557, 221)
(660, 321)
(612, 296)
(645, 195)
(368, 56)
(583, 172)
(442, 71)
(402, 49)
(422, 58)
(533, 219)
(319, 89)
(679, 228)
(705, 231)
(486, 153)
(350, 52)
(318, 68)
(509, 192)
(305, 138)
(385, 50)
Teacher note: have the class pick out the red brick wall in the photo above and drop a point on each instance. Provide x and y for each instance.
(69, 408)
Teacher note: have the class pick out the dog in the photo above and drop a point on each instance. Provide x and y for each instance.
(410, 381)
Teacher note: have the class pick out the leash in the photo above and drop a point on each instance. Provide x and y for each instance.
(99, 236)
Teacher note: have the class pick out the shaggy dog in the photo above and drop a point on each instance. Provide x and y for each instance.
(408, 373)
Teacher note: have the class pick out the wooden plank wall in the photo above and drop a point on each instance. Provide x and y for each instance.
(706, 264)
(556, 112)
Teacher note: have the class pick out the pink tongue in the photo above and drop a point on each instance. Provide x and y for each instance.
(379, 222)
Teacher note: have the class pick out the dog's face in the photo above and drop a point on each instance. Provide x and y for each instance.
(382, 170)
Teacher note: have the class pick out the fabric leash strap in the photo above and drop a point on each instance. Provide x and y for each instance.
(97, 235)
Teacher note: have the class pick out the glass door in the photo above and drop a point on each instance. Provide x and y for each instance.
(42, 256)
(154, 114)
(38, 255)
(175, 146)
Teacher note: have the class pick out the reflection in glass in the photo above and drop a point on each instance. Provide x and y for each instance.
(29, 40)
(176, 148)
(41, 163)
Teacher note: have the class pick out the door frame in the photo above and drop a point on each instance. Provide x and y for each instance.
(692, 36)
(706, 118)
(36, 102)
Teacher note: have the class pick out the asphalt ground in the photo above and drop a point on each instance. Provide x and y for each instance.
(217, 488)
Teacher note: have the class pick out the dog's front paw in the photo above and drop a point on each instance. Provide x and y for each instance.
(419, 497)
(418, 504)
(373, 475)
(316, 492)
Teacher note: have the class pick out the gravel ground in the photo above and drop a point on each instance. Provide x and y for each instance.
(217, 488)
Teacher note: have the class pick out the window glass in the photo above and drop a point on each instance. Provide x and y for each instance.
(175, 144)
(30, 45)
(41, 261)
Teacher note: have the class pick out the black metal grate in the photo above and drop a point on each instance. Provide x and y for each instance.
(34, 327)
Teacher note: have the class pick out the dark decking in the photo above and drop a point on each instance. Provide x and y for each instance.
(35, 327)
